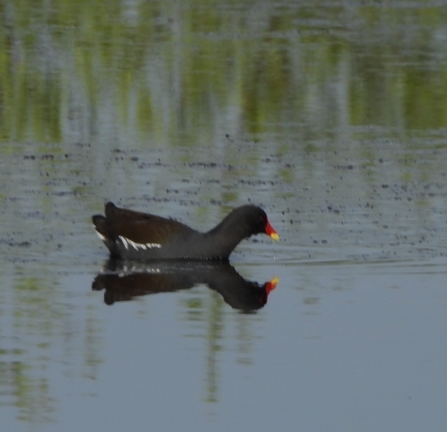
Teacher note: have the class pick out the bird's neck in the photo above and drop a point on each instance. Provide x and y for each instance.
(226, 236)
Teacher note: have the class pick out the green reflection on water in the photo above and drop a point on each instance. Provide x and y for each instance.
(214, 339)
(35, 327)
(165, 67)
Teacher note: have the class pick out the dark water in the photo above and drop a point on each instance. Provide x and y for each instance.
(331, 117)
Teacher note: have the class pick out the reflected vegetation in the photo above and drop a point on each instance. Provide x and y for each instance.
(180, 72)
(40, 329)
(123, 281)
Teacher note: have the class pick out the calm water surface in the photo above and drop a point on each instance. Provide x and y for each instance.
(332, 118)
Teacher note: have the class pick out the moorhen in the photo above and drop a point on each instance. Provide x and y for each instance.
(140, 236)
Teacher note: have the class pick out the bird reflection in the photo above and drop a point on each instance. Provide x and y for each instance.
(123, 281)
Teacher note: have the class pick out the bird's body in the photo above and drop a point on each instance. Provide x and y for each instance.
(141, 236)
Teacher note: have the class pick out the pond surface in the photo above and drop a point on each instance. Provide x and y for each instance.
(333, 118)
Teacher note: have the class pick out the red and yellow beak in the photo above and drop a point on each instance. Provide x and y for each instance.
(269, 230)
(270, 286)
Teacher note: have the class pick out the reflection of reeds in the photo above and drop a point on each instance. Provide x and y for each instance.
(214, 340)
(184, 76)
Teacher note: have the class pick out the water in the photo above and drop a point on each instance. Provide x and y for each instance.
(332, 118)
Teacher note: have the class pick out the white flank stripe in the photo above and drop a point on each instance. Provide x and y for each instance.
(101, 236)
(153, 245)
(127, 242)
(124, 241)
